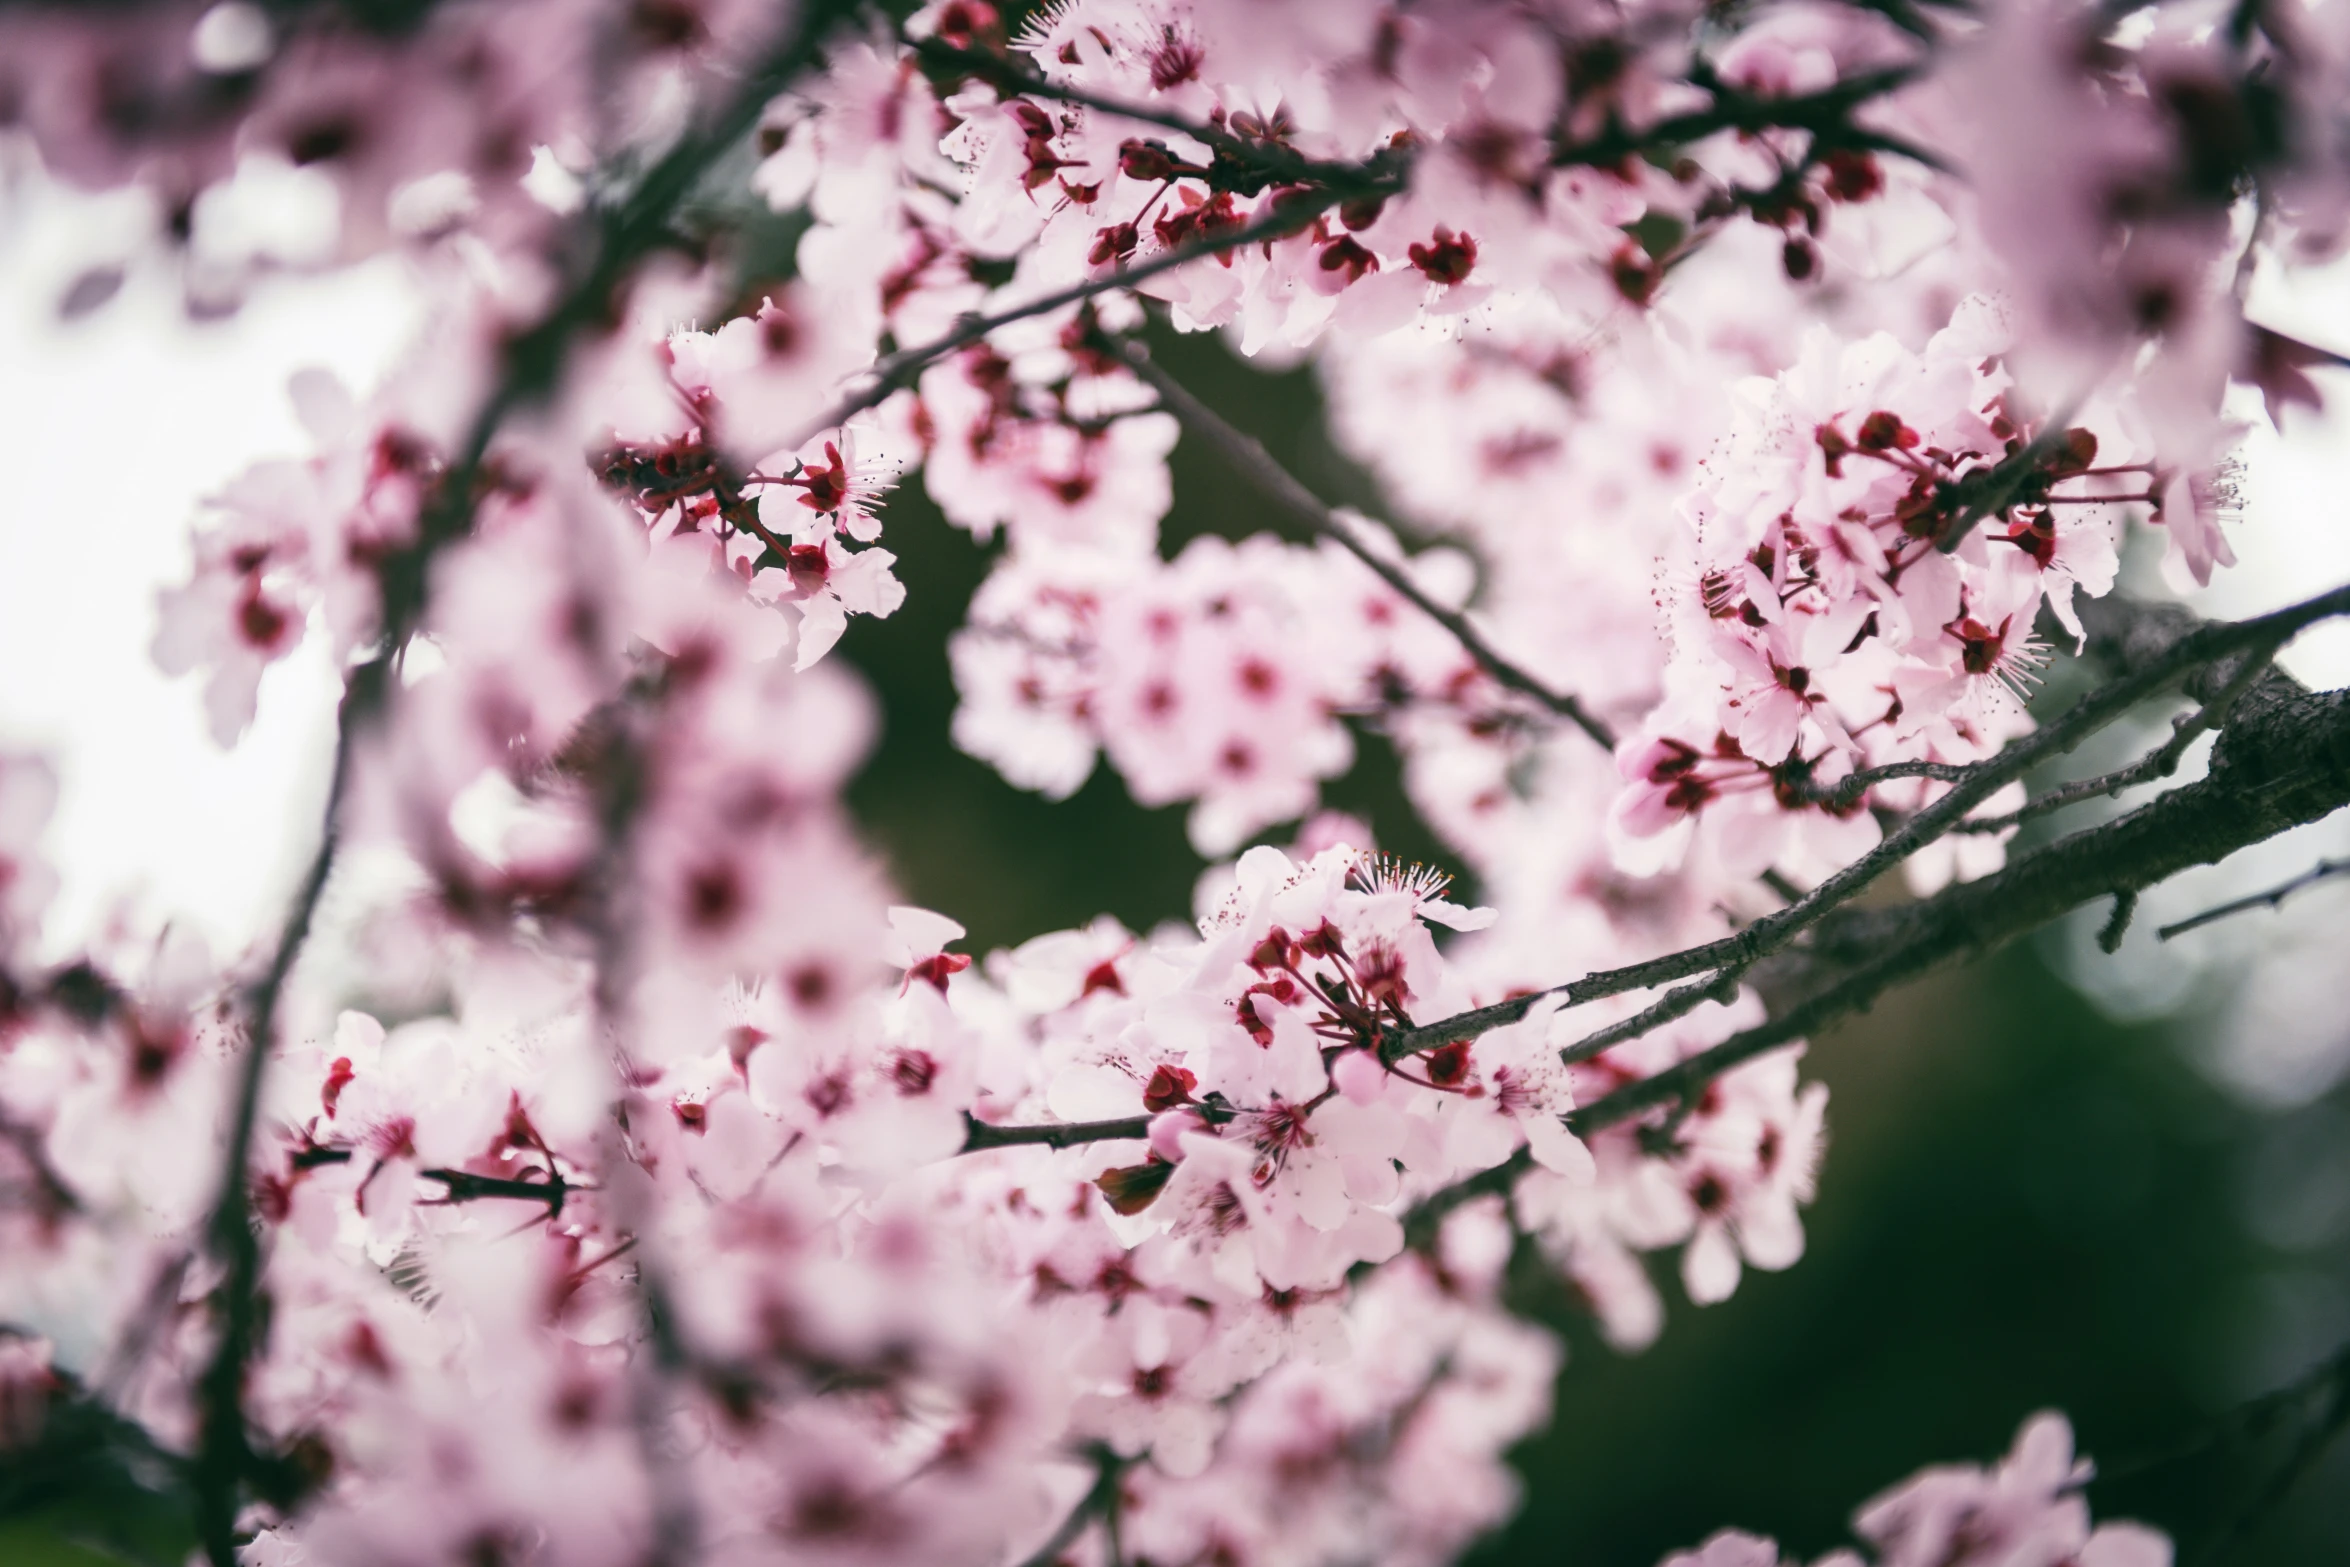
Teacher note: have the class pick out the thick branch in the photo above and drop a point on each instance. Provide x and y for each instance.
(2172, 660)
(2159, 763)
(2277, 766)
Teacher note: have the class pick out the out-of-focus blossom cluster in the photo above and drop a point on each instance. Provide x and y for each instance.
(289, 539)
(1221, 677)
(2027, 1508)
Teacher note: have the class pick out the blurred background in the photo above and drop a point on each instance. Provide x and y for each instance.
(2134, 1208)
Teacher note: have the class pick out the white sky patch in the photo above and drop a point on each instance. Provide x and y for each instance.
(120, 424)
(2295, 538)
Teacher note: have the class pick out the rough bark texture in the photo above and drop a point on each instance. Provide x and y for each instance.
(2280, 759)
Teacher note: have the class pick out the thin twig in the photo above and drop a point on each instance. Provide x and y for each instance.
(1099, 1501)
(1425, 1217)
(224, 1454)
(1678, 1002)
(2117, 923)
(1378, 175)
(464, 1185)
(1285, 214)
(1825, 113)
(1688, 1077)
(2273, 898)
(1987, 492)
(2333, 1417)
(2159, 763)
(55, 1197)
(2252, 1418)
(978, 1134)
(1848, 789)
(1248, 455)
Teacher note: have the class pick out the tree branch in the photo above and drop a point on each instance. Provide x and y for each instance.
(1285, 214)
(2171, 660)
(1381, 174)
(1247, 455)
(1675, 1003)
(624, 234)
(224, 1454)
(2329, 1385)
(2252, 1418)
(2273, 898)
(463, 1185)
(2159, 763)
(1848, 789)
(978, 1134)
(55, 1198)
(1099, 1501)
(2283, 760)
(2278, 765)
(1827, 114)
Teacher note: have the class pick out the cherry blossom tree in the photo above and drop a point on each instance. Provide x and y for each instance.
(603, 1165)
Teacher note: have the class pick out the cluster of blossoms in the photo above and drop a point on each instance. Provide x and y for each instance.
(289, 540)
(1838, 610)
(1221, 677)
(632, 1180)
(2027, 1509)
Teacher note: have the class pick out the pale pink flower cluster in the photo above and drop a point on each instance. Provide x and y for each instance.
(1038, 435)
(1221, 677)
(1826, 613)
(1723, 1183)
(868, 1344)
(704, 467)
(288, 539)
(2026, 1509)
(2111, 195)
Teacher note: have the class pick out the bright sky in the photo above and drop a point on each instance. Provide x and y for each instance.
(121, 423)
